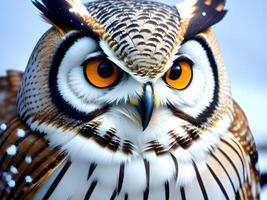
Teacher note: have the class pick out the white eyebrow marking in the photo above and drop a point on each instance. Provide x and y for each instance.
(94, 55)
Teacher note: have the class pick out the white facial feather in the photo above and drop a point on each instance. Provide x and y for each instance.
(81, 95)
(125, 119)
(197, 97)
(70, 64)
(76, 90)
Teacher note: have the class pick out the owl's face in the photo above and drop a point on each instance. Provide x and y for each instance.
(121, 80)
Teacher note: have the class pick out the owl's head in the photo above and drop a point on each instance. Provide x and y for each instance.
(122, 80)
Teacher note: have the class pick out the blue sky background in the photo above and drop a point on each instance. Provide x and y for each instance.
(242, 37)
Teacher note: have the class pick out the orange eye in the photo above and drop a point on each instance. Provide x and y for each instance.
(180, 75)
(101, 73)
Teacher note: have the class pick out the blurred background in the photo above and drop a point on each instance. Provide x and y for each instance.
(242, 37)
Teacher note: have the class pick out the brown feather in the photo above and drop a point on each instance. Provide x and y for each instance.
(202, 15)
(241, 131)
(42, 161)
(8, 91)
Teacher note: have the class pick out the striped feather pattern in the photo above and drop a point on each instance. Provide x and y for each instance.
(27, 161)
(226, 174)
(220, 177)
(241, 131)
(142, 34)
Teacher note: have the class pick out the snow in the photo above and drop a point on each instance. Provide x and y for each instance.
(21, 133)
(11, 183)
(3, 127)
(28, 160)
(28, 179)
(13, 170)
(12, 150)
(8, 177)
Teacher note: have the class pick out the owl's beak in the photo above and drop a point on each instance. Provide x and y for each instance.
(145, 106)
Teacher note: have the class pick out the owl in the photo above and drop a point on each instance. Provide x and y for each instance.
(125, 100)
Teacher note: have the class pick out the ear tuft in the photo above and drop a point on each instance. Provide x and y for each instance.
(65, 14)
(201, 14)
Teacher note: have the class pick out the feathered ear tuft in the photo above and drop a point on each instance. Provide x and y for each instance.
(200, 15)
(68, 15)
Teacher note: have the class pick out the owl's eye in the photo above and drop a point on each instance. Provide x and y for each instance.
(101, 73)
(180, 75)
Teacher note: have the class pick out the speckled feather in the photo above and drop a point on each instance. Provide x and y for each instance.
(26, 159)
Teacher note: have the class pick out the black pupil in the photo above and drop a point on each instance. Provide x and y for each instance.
(175, 72)
(105, 70)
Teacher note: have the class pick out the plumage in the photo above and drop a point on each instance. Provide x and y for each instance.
(8, 91)
(26, 157)
(201, 15)
(62, 14)
(125, 100)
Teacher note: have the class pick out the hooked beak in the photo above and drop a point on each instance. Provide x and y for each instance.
(145, 106)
